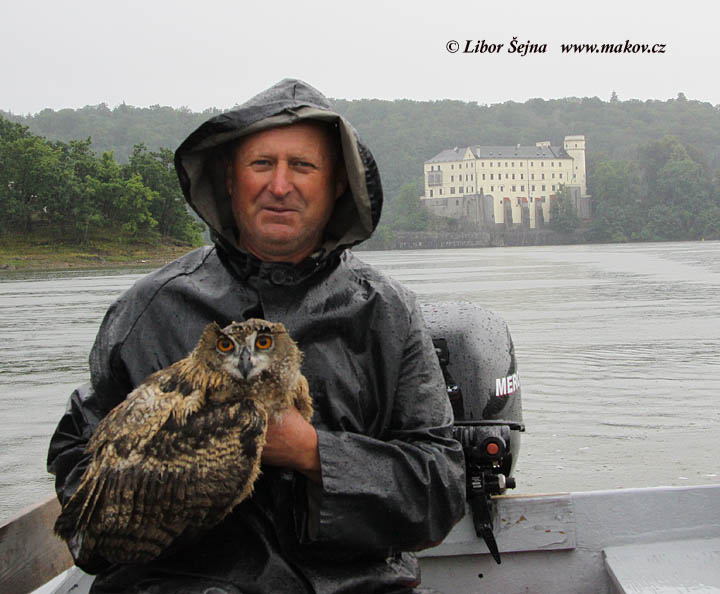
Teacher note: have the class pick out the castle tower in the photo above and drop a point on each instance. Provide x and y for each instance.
(575, 147)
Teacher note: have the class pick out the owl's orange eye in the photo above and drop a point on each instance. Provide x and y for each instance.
(225, 345)
(263, 342)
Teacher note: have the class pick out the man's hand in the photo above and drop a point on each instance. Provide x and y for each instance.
(292, 443)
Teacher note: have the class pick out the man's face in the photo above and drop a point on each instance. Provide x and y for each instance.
(283, 185)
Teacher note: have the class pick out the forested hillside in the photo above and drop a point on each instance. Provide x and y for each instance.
(403, 134)
(58, 191)
(629, 145)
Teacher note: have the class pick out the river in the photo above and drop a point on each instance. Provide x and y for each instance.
(617, 345)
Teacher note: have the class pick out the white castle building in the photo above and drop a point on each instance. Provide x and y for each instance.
(506, 185)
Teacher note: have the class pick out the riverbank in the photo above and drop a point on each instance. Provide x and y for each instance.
(19, 254)
(519, 236)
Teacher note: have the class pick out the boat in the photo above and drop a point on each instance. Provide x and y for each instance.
(651, 540)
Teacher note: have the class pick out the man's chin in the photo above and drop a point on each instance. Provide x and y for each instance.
(282, 245)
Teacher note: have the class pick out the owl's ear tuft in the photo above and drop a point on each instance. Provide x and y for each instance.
(210, 334)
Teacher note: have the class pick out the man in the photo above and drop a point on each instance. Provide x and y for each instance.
(286, 187)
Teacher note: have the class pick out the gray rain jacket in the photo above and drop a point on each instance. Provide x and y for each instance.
(392, 476)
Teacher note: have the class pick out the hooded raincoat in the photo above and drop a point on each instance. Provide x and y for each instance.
(392, 476)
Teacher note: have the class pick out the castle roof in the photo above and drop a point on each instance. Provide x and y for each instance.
(501, 152)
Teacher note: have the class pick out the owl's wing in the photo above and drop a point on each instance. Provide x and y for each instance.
(154, 475)
(302, 399)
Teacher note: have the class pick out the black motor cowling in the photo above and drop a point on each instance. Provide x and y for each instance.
(477, 357)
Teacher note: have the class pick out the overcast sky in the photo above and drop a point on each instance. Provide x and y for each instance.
(215, 53)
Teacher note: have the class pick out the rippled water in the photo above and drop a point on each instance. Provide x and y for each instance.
(617, 349)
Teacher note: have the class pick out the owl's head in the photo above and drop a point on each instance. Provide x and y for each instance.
(243, 350)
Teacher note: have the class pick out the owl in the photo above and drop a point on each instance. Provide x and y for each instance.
(184, 447)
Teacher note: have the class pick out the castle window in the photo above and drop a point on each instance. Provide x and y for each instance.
(492, 188)
(513, 189)
(532, 176)
(452, 189)
(431, 193)
(542, 176)
(452, 178)
(460, 190)
(513, 176)
(522, 176)
(434, 178)
(441, 191)
(560, 175)
(552, 163)
(533, 187)
(492, 176)
(532, 164)
(553, 176)
(543, 188)
(522, 188)
(484, 175)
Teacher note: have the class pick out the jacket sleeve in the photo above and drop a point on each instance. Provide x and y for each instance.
(403, 493)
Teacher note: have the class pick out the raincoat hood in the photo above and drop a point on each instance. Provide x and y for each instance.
(201, 160)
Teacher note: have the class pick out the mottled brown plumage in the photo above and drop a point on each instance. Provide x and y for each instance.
(184, 448)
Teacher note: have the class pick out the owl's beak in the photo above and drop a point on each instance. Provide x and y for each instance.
(245, 364)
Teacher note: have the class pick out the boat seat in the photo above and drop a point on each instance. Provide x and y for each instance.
(668, 566)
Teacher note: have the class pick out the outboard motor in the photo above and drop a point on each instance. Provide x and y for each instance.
(477, 357)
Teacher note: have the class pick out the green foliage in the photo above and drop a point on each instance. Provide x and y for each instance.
(667, 194)
(168, 208)
(563, 215)
(63, 191)
(649, 162)
(403, 211)
(29, 170)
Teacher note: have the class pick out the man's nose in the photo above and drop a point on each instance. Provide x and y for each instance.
(280, 184)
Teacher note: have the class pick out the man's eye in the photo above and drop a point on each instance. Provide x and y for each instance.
(304, 165)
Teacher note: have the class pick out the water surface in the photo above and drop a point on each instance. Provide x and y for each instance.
(617, 350)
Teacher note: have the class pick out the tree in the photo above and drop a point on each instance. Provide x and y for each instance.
(123, 204)
(10, 131)
(157, 171)
(563, 215)
(618, 191)
(29, 171)
(404, 211)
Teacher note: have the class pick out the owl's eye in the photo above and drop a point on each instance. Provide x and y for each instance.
(225, 345)
(263, 342)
